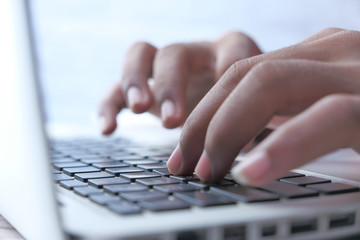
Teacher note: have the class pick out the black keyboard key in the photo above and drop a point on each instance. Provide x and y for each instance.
(87, 191)
(164, 204)
(74, 164)
(140, 162)
(149, 153)
(140, 175)
(334, 188)
(62, 160)
(186, 178)
(161, 159)
(152, 166)
(292, 174)
(72, 171)
(128, 157)
(204, 199)
(61, 177)
(99, 183)
(83, 156)
(70, 184)
(86, 176)
(104, 199)
(245, 194)
(123, 156)
(207, 185)
(199, 184)
(162, 171)
(122, 188)
(159, 155)
(96, 160)
(124, 208)
(157, 181)
(176, 188)
(303, 181)
(145, 195)
(289, 190)
(118, 171)
(58, 155)
(104, 165)
(228, 177)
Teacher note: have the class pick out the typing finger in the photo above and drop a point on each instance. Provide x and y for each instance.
(331, 123)
(136, 72)
(271, 88)
(173, 66)
(109, 108)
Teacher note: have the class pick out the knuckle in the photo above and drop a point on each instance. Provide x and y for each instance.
(265, 68)
(142, 46)
(240, 68)
(242, 40)
(174, 54)
(347, 105)
(265, 75)
(351, 36)
(338, 101)
(178, 52)
(176, 48)
(237, 35)
(235, 73)
(331, 30)
(261, 76)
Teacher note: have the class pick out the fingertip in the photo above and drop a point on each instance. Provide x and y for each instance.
(203, 169)
(138, 101)
(107, 125)
(253, 170)
(175, 161)
(171, 115)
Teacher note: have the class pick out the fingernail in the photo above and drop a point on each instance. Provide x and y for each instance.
(134, 96)
(203, 169)
(251, 168)
(174, 162)
(102, 123)
(167, 109)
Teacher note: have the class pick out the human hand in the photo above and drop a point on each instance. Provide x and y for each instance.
(316, 81)
(182, 74)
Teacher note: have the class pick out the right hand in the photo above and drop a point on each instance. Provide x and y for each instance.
(182, 74)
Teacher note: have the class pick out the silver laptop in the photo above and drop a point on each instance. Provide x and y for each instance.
(117, 188)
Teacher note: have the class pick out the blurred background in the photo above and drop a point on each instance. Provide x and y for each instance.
(82, 43)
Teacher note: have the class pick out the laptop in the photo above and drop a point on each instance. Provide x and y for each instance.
(119, 188)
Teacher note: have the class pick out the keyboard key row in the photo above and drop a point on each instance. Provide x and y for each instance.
(129, 180)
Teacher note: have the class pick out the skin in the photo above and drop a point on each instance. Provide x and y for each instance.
(308, 91)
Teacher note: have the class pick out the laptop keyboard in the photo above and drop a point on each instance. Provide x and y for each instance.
(128, 179)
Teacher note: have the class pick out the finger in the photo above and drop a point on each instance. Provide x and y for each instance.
(231, 48)
(322, 34)
(136, 72)
(256, 140)
(276, 121)
(172, 66)
(272, 88)
(109, 108)
(193, 134)
(331, 123)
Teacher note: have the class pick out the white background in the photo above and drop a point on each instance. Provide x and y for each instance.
(82, 42)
